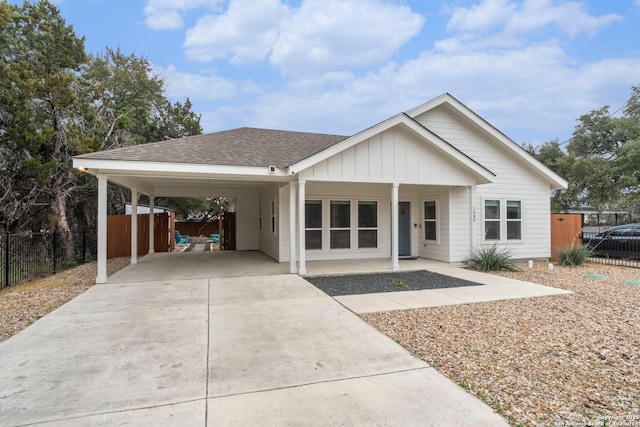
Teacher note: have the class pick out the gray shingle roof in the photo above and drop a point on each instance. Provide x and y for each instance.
(236, 147)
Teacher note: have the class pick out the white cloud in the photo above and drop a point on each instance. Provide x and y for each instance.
(569, 17)
(481, 17)
(521, 17)
(334, 35)
(182, 85)
(532, 94)
(246, 32)
(165, 14)
(319, 36)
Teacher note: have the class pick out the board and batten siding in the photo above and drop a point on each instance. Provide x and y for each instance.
(513, 181)
(269, 243)
(395, 155)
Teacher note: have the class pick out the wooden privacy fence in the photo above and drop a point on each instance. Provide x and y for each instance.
(566, 231)
(119, 234)
(191, 228)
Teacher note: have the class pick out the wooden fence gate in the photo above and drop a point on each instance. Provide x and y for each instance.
(119, 234)
(566, 231)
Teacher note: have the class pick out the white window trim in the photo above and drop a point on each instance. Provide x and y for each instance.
(326, 224)
(437, 221)
(321, 228)
(503, 220)
(358, 228)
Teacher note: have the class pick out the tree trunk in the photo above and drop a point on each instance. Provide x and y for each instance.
(58, 206)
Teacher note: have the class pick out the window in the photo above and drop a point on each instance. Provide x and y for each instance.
(492, 219)
(430, 220)
(367, 224)
(340, 226)
(502, 218)
(313, 224)
(514, 220)
(273, 216)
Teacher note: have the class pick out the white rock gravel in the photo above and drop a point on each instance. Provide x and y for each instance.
(560, 360)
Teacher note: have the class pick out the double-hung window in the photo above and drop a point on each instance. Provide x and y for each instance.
(502, 218)
(367, 224)
(430, 220)
(514, 220)
(340, 226)
(492, 219)
(313, 224)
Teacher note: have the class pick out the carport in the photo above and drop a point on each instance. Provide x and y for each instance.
(248, 166)
(173, 182)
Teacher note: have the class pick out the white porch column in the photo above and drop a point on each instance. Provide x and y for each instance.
(302, 262)
(292, 228)
(472, 217)
(134, 226)
(102, 230)
(394, 227)
(152, 223)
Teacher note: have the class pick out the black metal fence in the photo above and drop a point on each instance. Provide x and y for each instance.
(621, 248)
(28, 256)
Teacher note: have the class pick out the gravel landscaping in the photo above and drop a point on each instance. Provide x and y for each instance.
(355, 284)
(557, 360)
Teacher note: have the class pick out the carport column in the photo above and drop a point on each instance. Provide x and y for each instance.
(134, 226)
(152, 223)
(302, 267)
(102, 229)
(394, 227)
(292, 228)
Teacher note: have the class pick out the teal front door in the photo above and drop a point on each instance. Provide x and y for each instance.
(404, 228)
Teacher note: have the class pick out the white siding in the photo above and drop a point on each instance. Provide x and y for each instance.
(395, 155)
(269, 243)
(513, 182)
(246, 219)
(439, 250)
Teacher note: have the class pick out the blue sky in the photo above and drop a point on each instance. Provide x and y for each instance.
(529, 67)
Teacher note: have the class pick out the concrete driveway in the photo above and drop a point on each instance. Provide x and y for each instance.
(227, 351)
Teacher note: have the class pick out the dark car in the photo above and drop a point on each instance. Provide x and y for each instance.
(621, 241)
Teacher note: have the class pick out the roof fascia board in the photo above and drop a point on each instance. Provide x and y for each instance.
(177, 168)
(556, 181)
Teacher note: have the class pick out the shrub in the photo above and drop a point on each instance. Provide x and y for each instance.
(574, 255)
(490, 258)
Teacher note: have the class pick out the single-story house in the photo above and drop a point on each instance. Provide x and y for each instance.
(432, 182)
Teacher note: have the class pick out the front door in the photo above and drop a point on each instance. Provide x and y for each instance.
(404, 228)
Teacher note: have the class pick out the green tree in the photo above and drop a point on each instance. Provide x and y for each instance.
(41, 58)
